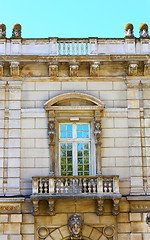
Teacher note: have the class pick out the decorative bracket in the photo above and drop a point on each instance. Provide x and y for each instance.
(53, 70)
(133, 69)
(74, 70)
(100, 207)
(94, 69)
(1, 69)
(35, 207)
(97, 131)
(51, 132)
(147, 68)
(14, 69)
(116, 208)
(51, 204)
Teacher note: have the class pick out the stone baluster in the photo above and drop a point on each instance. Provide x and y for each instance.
(66, 185)
(94, 186)
(68, 49)
(45, 186)
(57, 186)
(64, 48)
(62, 186)
(89, 185)
(77, 48)
(84, 185)
(82, 48)
(73, 47)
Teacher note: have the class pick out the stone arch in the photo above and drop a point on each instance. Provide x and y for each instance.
(72, 99)
(88, 233)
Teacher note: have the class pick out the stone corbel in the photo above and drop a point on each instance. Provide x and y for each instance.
(74, 68)
(53, 70)
(115, 208)
(51, 204)
(133, 69)
(100, 207)
(1, 69)
(35, 207)
(94, 69)
(14, 69)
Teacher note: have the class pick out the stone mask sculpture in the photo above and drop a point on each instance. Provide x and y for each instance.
(75, 226)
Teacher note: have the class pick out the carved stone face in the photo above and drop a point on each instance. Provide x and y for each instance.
(75, 225)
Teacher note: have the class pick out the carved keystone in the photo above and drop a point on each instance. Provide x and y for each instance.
(75, 224)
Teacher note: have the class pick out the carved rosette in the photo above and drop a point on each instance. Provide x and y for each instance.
(97, 132)
(94, 69)
(75, 224)
(14, 69)
(133, 69)
(100, 207)
(1, 69)
(51, 132)
(116, 208)
(53, 70)
(74, 68)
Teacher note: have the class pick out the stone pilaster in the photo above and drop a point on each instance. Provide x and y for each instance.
(13, 138)
(135, 137)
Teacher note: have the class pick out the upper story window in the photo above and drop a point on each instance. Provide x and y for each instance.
(75, 149)
(74, 134)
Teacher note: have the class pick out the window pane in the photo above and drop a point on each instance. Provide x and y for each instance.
(83, 158)
(83, 131)
(66, 131)
(66, 158)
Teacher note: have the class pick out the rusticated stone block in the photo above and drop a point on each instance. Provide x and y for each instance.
(135, 217)
(136, 236)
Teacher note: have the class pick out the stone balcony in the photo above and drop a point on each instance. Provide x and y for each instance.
(76, 187)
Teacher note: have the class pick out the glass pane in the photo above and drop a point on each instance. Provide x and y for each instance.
(66, 158)
(83, 158)
(66, 131)
(83, 131)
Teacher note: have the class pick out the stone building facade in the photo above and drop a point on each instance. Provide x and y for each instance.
(74, 146)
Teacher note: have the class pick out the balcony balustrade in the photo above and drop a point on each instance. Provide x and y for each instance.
(75, 186)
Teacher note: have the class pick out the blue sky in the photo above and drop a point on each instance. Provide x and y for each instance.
(78, 18)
